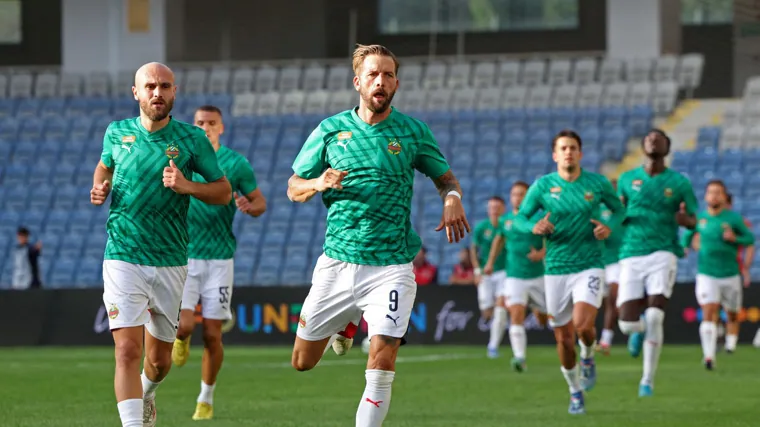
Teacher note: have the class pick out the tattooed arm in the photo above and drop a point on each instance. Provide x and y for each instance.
(454, 218)
(447, 183)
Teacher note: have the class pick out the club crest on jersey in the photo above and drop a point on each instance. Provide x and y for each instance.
(394, 147)
(302, 319)
(128, 139)
(668, 192)
(636, 184)
(113, 311)
(508, 224)
(589, 196)
(172, 151)
(702, 223)
(487, 233)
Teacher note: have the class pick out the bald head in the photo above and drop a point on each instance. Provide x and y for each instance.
(154, 89)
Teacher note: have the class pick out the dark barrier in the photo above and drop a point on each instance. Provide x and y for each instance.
(269, 316)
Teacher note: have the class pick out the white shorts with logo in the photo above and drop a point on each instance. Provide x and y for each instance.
(653, 274)
(611, 275)
(527, 292)
(563, 291)
(490, 288)
(136, 295)
(210, 282)
(342, 291)
(726, 291)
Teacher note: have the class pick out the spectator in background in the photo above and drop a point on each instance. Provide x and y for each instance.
(26, 270)
(464, 273)
(425, 273)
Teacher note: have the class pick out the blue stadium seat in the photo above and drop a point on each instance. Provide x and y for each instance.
(25, 153)
(28, 107)
(40, 174)
(9, 129)
(589, 117)
(80, 221)
(7, 107)
(15, 175)
(66, 197)
(62, 273)
(538, 119)
(52, 107)
(708, 137)
(266, 275)
(41, 197)
(640, 119)
(6, 151)
(63, 174)
(16, 197)
(73, 243)
(705, 159)
(57, 221)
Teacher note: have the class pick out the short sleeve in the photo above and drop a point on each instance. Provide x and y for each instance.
(688, 197)
(311, 161)
(429, 160)
(107, 155)
(205, 162)
(245, 177)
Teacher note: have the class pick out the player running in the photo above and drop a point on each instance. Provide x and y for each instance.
(571, 198)
(145, 264)
(525, 277)
(210, 267)
(611, 275)
(658, 200)
(490, 283)
(744, 258)
(719, 283)
(363, 162)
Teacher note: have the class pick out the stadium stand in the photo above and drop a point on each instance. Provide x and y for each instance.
(492, 118)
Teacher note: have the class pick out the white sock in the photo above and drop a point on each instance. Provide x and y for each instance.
(708, 334)
(652, 343)
(519, 340)
(330, 343)
(756, 340)
(573, 378)
(607, 335)
(376, 398)
(207, 393)
(731, 341)
(628, 328)
(498, 326)
(131, 412)
(149, 387)
(587, 352)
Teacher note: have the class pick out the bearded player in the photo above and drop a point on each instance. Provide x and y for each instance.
(210, 267)
(363, 162)
(490, 282)
(525, 277)
(611, 275)
(574, 233)
(145, 265)
(719, 282)
(658, 200)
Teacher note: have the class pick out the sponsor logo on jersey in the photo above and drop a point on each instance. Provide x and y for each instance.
(113, 311)
(487, 234)
(668, 192)
(589, 196)
(636, 184)
(394, 147)
(344, 135)
(556, 190)
(172, 151)
(128, 138)
(702, 223)
(508, 224)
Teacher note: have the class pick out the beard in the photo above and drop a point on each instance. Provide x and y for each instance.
(154, 114)
(377, 106)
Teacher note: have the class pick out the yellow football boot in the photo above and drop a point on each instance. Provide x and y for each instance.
(181, 352)
(203, 411)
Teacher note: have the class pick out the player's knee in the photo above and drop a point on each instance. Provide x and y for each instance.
(302, 361)
(564, 336)
(654, 316)
(212, 339)
(161, 362)
(127, 352)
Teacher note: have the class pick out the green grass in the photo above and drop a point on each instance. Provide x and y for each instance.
(434, 386)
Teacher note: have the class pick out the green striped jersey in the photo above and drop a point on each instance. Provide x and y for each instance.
(612, 243)
(572, 247)
(147, 222)
(482, 239)
(368, 222)
(651, 206)
(210, 226)
(717, 257)
(518, 245)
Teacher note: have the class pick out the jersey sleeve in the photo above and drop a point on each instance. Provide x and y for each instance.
(744, 236)
(246, 177)
(429, 160)
(528, 208)
(687, 237)
(205, 162)
(107, 155)
(688, 197)
(612, 201)
(311, 161)
(622, 188)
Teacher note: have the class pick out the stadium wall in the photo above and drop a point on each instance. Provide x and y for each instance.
(270, 316)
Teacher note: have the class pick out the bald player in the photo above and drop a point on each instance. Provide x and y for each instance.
(145, 164)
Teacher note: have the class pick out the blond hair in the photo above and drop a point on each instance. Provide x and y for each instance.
(363, 51)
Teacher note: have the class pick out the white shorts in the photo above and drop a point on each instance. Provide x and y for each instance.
(342, 291)
(611, 275)
(527, 292)
(653, 274)
(137, 295)
(726, 291)
(563, 291)
(490, 288)
(210, 282)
